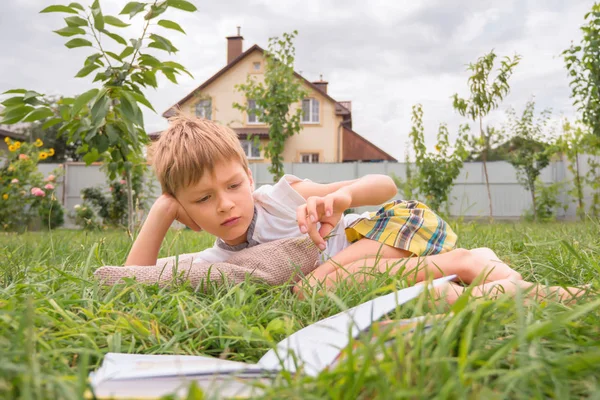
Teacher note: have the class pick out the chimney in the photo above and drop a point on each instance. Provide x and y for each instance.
(321, 84)
(234, 46)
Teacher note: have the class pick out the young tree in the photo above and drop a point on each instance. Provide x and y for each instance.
(272, 99)
(529, 151)
(107, 120)
(573, 143)
(486, 94)
(436, 171)
(583, 64)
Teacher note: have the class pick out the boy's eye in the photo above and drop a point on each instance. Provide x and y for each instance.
(202, 200)
(235, 186)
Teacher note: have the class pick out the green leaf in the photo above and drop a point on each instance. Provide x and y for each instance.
(115, 37)
(100, 109)
(132, 8)
(150, 78)
(58, 8)
(51, 123)
(20, 91)
(91, 156)
(127, 52)
(155, 11)
(165, 23)
(170, 75)
(70, 31)
(178, 66)
(85, 71)
(78, 42)
(30, 94)
(15, 113)
(162, 43)
(182, 5)
(94, 59)
(38, 113)
(82, 100)
(147, 59)
(12, 101)
(142, 100)
(97, 14)
(115, 56)
(75, 21)
(130, 109)
(77, 6)
(114, 21)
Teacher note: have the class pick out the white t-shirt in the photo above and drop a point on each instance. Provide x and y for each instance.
(275, 207)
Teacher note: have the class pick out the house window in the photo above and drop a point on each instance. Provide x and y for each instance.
(309, 158)
(251, 149)
(256, 66)
(252, 110)
(310, 111)
(204, 109)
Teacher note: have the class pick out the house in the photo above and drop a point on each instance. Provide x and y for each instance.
(327, 134)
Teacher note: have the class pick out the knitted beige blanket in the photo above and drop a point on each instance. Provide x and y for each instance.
(275, 263)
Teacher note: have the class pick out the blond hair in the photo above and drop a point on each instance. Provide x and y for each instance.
(189, 147)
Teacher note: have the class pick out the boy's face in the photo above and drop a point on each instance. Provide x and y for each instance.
(221, 203)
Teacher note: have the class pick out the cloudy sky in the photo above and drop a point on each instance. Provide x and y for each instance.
(383, 55)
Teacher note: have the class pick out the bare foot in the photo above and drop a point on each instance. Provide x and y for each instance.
(486, 262)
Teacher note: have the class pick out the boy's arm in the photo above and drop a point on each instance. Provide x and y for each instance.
(369, 190)
(326, 203)
(164, 211)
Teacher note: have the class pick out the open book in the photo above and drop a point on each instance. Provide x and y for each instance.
(313, 349)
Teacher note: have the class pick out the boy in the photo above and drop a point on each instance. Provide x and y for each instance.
(207, 185)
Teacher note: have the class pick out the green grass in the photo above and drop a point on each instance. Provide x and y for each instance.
(56, 322)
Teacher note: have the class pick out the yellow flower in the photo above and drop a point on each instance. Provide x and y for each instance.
(7, 140)
(38, 143)
(5, 196)
(18, 144)
(437, 148)
(43, 155)
(51, 152)
(12, 148)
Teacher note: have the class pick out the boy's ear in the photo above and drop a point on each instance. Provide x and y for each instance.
(251, 179)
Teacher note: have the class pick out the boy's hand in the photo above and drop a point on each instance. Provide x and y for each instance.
(173, 209)
(326, 210)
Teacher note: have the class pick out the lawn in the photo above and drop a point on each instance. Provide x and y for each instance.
(56, 322)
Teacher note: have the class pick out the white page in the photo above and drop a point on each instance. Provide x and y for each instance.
(317, 345)
(118, 366)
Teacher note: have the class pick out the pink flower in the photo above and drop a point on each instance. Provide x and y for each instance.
(49, 186)
(23, 156)
(123, 182)
(50, 178)
(36, 191)
(14, 181)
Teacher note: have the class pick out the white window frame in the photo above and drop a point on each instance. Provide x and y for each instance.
(257, 120)
(311, 117)
(310, 158)
(256, 64)
(247, 145)
(205, 108)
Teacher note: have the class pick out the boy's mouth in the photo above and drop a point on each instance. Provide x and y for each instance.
(231, 221)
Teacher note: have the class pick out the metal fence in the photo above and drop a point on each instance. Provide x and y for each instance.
(468, 198)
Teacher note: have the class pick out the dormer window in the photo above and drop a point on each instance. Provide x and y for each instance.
(256, 66)
(204, 109)
(310, 111)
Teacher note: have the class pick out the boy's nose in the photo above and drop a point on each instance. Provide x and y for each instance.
(225, 204)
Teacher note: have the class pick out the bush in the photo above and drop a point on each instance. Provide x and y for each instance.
(27, 197)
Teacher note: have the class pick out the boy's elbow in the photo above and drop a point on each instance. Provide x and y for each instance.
(391, 188)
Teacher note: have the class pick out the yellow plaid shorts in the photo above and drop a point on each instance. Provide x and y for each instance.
(407, 225)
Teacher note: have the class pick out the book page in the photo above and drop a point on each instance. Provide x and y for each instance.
(317, 346)
(118, 366)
